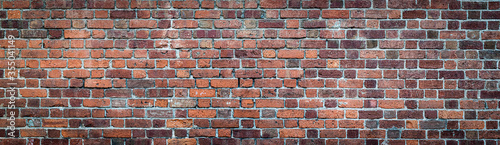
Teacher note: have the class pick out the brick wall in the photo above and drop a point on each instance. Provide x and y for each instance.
(252, 72)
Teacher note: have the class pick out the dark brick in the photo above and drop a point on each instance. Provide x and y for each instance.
(140, 83)
(474, 5)
(415, 134)
(33, 33)
(314, 24)
(315, 4)
(452, 134)
(371, 93)
(358, 4)
(330, 93)
(451, 94)
(394, 134)
(256, 14)
(159, 133)
(489, 54)
(354, 44)
(414, 14)
(372, 34)
(329, 73)
(391, 64)
(251, 53)
(96, 123)
(410, 114)
(228, 141)
(333, 44)
(461, 15)
(431, 44)
(490, 94)
(392, 124)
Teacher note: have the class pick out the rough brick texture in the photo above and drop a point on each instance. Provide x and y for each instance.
(252, 72)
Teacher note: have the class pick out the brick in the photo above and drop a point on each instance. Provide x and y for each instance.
(246, 133)
(271, 24)
(489, 94)
(117, 133)
(429, 24)
(474, 25)
(249, 34)
(207, 14)
(270, 4)
(413, 34)
(33, 34)
(292, 133)
(490, 35)
(351, 123)
(352, 44)
(57, 24)
(186, 4)
(231, 24)
(292, 34)
(293, 14)
(372, 34)
(318, 63)
(335, 14)
(36, 14)
(213, 65)
(392, 24)
(461, 15)
(122, 14)
(248, 73)
(491, 15)
(72, 34)
(95, 4)
(142, 24)
(79, 14)
(94, 83)
(414, 14)
(431, 64)
(187, 141)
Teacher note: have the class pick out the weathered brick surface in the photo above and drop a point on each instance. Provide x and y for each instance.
(252, 71)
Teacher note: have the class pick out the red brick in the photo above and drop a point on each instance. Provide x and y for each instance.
(293, 14)
(117, 133)
(142, 24)
(246, 113)
(190, 4)
(58, 24)
(184, 24)
(94, 83)
(224, 83)
(207, 14)
(71, 34)
(79, 14)
(292, 133)
(335, 14)
(273, 4)
(36, 14)
(187, 141)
